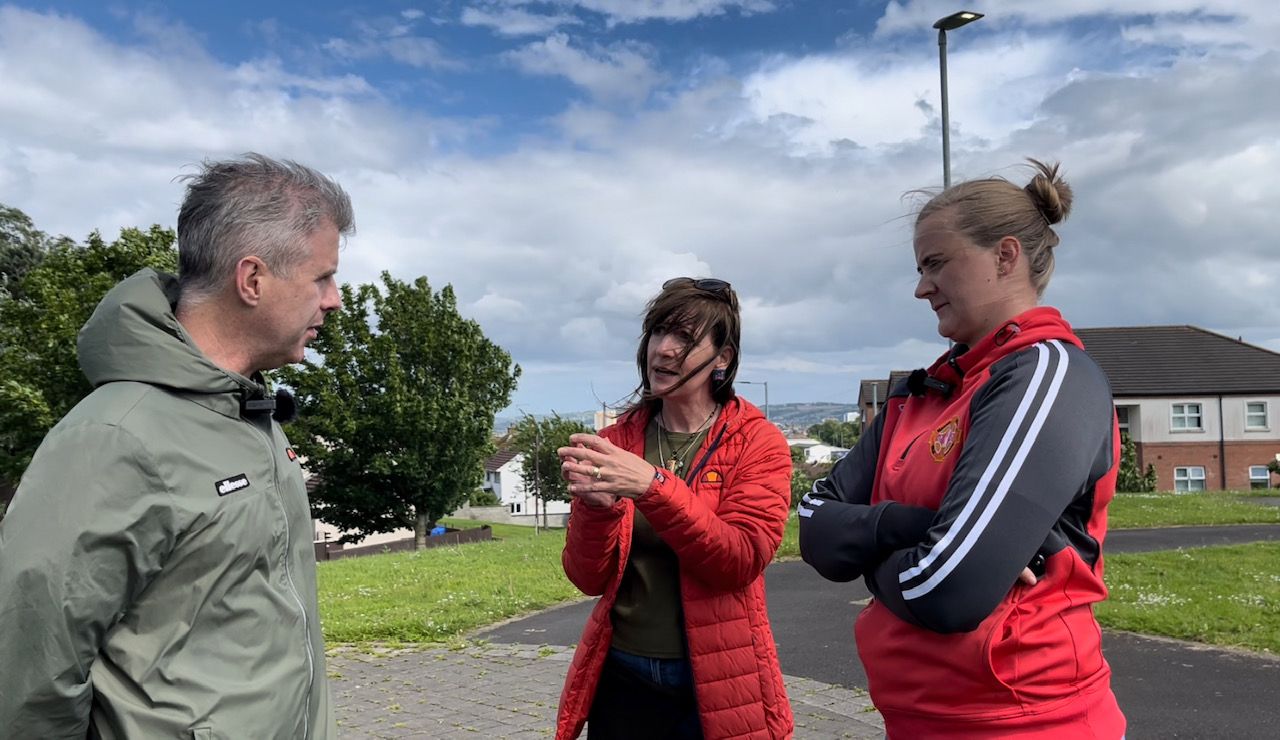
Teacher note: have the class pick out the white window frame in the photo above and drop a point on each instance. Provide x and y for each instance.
(1260, 426)
(1185, 476)
(1124, 420)
(516, 507)
(1259, 474)
(1183, 411)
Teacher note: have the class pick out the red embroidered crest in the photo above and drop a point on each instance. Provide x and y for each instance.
(292, 455)
(711, 476)
(944, 439)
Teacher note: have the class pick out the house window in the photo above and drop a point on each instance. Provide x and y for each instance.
(1189, 478)
(517, 507)
(1255, 415)
(1122, 417)
(1259, 476)
(1186, 416)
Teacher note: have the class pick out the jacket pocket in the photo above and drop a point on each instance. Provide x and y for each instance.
(1004, 645)
(202, 733)
(1049, 643)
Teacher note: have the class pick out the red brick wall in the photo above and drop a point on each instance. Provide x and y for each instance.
(1166, 456)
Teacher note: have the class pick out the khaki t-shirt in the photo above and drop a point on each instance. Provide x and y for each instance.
(647, 617)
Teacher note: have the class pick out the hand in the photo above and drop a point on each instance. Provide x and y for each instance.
(590, 498)
(1027, 577)
(597, 466)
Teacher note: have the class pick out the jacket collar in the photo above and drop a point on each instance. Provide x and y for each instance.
(1027, 328)
(134, 335)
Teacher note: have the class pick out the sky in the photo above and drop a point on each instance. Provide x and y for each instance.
(556, 161)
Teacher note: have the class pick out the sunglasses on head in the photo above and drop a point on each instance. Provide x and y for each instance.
(711, 285)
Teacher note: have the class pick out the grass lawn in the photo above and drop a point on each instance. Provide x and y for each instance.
(1130, 510)
(437, 594)
(1218, 595)
(1223, 595)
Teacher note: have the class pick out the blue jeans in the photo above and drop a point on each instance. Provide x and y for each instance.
(641, 698)
(675, 673)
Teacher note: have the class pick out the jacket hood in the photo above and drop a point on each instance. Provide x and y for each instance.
(134, 335)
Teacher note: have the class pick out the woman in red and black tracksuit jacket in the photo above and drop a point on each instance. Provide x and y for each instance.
(975, 505)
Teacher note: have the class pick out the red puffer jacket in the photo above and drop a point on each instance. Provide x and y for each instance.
(725, 530)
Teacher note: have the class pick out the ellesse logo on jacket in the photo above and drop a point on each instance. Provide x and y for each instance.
(232, 484)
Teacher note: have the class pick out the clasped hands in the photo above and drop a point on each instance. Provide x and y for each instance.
(598, 471)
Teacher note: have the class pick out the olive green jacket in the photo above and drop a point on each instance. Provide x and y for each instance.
(157, 576)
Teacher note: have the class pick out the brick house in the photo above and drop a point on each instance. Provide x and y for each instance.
(1202, 408)
(871, 395)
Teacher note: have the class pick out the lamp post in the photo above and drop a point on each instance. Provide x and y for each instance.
(764, 383)
(950, 23)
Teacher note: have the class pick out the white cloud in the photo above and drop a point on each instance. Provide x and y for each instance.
(915, 15)
(392, 37)
(876, 98)
(81, 137)
(515, 21)
(584, 336)
(621, 71)
(555, 242)
(637, 11)
(631, 11)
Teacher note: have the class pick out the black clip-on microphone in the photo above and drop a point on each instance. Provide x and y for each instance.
(283, 408)
(920, 381)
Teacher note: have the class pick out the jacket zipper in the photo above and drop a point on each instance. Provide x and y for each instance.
(288, 575)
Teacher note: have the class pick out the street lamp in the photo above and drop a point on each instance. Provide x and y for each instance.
(950, 23)
(764, 383)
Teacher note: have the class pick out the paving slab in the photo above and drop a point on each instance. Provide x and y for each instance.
(510, 691)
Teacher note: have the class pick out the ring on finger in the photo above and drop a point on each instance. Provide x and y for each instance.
(595, 472)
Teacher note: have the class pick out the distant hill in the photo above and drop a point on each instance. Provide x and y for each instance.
(502, 423)
(798, 415)
(808, 414)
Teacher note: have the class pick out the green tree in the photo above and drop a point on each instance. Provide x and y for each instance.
(1131, 479)
(835, 433)
(537, 440)
(396, 415)
(40, 378)
(22, 247)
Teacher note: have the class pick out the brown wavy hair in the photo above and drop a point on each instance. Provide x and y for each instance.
(704, 313)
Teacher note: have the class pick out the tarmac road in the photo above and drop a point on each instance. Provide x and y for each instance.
(1167, 688)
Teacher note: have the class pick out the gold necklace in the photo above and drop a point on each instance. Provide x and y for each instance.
(675, 463)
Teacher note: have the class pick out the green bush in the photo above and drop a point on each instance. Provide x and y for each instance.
(1131, 479)
(483, 497)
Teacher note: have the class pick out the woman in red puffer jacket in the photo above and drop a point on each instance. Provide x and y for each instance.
(677, 509)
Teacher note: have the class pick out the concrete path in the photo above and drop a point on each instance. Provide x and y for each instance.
(511, 691)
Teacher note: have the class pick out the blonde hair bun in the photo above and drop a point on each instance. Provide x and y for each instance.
(1049, 192)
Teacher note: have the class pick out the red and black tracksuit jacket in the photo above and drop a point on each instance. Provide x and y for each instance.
(1000, 456)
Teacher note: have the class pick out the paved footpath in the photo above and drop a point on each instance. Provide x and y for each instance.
(511, 691)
